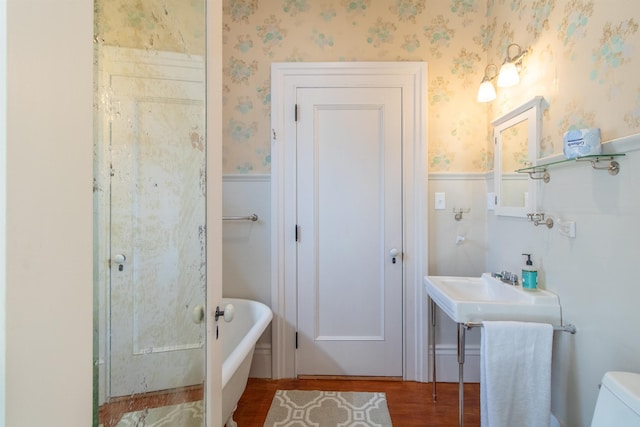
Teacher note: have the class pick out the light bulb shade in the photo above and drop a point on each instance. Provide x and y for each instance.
(486, 91)
(508, 75)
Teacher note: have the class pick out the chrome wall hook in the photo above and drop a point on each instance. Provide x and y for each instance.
(539, 219)
(457, 213)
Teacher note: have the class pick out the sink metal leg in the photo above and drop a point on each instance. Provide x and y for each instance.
(461, 353)
(461, 350)
(432, 341)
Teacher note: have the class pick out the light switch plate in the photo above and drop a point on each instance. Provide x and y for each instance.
(491, 201)
(440, 201)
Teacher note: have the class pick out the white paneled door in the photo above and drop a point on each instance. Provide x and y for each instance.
(349, 234)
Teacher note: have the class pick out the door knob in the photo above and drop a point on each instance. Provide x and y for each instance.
(120, 260)
(227, 313)
(198, 314)
(393, 253)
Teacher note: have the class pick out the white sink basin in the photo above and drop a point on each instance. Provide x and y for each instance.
(474, 299)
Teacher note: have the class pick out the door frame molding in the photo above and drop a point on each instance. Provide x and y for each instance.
(411, 77)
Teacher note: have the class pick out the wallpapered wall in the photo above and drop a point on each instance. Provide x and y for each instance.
(169, 25)
(447, 34)
(581, 59)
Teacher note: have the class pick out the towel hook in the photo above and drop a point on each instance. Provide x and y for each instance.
(457, 213)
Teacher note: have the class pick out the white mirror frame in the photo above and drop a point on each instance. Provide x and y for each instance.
(530, 111)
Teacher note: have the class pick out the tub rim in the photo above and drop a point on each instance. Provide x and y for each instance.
(231, 364)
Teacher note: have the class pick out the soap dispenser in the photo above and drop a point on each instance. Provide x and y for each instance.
(529, 275)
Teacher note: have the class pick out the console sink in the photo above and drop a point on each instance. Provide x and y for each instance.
(474, 299)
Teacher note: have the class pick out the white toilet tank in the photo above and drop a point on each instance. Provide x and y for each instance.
(618, 401)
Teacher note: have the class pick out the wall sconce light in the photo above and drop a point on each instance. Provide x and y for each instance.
(508, 75)
(486, 91)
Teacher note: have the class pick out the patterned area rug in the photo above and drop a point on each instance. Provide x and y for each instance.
(296, 408)
(183, 415)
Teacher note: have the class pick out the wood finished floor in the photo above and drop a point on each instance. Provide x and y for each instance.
(110, 413)
(410, 403)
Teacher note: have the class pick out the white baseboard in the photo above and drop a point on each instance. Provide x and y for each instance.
(261, 364)
(447, 364)
(555, 422)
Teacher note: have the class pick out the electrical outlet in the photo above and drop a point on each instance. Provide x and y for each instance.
(567, 228)
(440, 201)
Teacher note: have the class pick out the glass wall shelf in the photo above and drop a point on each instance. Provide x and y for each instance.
(541, 171)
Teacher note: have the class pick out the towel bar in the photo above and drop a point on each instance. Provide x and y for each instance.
(563, 328)
(462, 327)
(252, 217)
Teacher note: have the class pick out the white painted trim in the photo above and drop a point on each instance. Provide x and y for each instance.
(285, 79)
(3, 208)
(261, 363)
(537, 101)
(624, 144)
(213, 387)
(239, 177)
(555, 422)
(447, 363)
(532, 112)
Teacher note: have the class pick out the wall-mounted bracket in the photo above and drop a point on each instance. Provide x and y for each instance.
(457, 213)
(539, 219)
(613, 167)
(538, 173)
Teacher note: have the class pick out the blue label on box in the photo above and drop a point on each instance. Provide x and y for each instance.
(581, 142)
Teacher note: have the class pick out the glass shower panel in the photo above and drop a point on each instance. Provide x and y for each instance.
(150, 192)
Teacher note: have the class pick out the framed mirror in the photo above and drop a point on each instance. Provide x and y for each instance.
(516, 137)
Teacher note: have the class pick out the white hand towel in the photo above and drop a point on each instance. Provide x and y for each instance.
(515, 374)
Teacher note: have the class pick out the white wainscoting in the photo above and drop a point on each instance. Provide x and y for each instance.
(246, 255)
(450, 256)
(447, 363)
(246, 249)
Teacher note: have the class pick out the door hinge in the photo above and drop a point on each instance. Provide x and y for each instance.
(296, 340)
(297, 232)
(295, 113)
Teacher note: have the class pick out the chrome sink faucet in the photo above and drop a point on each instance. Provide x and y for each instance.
(507, 277)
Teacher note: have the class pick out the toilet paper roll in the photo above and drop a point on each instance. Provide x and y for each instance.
(581, 142)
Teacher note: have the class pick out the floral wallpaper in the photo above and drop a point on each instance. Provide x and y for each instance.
(582, 57)
(169, 25)
(447, 34)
